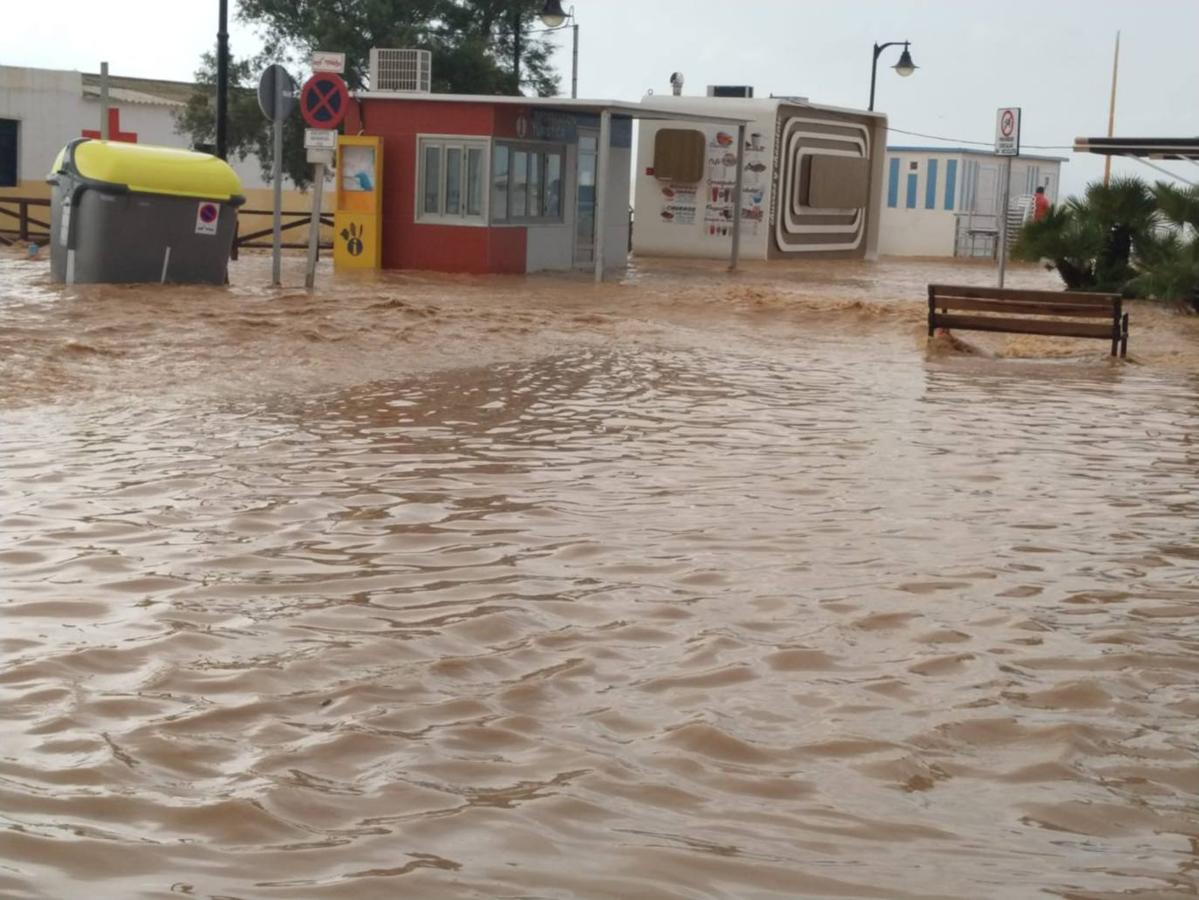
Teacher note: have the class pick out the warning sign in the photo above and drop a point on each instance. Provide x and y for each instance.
(207, 216)
(1007, 131)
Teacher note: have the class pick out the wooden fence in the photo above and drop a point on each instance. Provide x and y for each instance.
(18, 225)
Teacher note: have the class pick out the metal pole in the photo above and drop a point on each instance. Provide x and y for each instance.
(222, 81)
(873, 74)
(277, 167)
(103, 101)
(1111, 114)
(314, 226)
(737, 185)
(574, 62)
(516, 25)
(602, 160)
(1007, 187)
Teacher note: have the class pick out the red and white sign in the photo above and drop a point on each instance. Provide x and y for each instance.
(208, 214)
(1007, 131)
(324, 61)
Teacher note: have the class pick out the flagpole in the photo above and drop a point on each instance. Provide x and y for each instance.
(1111, 114)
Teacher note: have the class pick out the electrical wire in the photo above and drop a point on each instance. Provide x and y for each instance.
(937, 137)
(1165, 171)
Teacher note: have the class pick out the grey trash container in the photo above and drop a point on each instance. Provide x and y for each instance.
(124, 213)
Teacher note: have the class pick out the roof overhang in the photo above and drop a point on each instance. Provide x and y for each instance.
(1152, 148)
(564, 104)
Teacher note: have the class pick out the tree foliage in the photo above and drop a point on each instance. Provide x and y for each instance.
(1123, 237)
(473, 43)
(248, 131)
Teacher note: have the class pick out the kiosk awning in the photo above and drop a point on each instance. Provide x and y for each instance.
(1151, 148)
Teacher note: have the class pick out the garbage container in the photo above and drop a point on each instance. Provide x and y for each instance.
(135, 213)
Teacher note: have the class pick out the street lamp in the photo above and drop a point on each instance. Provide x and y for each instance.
(904, 67)
(553, 16)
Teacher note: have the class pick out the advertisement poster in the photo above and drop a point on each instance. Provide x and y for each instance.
(720, 204)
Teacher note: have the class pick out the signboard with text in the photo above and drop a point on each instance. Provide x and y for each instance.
(324, 61)
(1007, 131)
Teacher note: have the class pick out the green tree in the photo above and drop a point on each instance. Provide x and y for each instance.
(472, 41)
(248, 131)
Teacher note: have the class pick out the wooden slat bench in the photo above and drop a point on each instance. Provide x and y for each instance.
(1086, 315)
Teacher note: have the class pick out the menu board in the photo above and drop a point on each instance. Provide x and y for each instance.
(720, 204)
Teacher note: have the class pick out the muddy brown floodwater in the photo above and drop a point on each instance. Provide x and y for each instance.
(690, 586)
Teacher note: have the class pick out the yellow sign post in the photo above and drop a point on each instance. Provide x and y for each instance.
(357, 220)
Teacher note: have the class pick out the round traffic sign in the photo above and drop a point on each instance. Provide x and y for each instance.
(1007, 124)
(276, 93)
(208, 213)
(324, 100)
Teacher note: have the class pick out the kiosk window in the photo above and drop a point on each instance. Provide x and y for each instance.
(450, 181)
(8, 152)
(679, 155)
(526, 183)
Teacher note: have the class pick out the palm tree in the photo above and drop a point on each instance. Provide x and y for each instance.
(1169, 258)
(1091, 242)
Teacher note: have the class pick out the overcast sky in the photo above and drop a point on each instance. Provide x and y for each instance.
(1051, 57)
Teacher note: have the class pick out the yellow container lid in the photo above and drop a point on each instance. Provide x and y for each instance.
(153, 170)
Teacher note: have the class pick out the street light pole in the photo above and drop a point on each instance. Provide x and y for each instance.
(554, 17)
(222, 81)
(574, 59)
(904, 67)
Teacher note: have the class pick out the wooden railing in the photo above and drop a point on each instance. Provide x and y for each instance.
(261, 238)
(27, 228)
(18, 225)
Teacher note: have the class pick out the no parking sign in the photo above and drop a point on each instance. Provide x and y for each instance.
(208, 214)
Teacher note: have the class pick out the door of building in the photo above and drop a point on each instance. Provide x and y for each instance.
(8, 152)
(585, 197)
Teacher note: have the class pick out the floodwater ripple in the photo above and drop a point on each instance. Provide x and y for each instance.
(754, 610)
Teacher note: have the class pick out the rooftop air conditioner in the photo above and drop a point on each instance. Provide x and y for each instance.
(401, 71)
(731, 90)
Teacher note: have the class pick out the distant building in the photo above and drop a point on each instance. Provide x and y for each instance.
(42, 109)
(945, 201)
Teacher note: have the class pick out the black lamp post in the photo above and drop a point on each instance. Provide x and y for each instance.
(553, 16)
(904, 67)
(222, 81)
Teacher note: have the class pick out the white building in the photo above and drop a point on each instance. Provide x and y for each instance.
(945, 201)
(810, 182)
(42, 109)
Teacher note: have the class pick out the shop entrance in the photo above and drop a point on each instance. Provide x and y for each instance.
(585, 197)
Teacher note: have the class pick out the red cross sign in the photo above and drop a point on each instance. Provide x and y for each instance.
(114, 129)
(324, 100)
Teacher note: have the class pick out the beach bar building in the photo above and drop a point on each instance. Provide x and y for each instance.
(945, 201)
(495, 184)
(804, 182)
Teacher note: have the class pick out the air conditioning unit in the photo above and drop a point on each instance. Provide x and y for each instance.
(731, 90)
(401, 71)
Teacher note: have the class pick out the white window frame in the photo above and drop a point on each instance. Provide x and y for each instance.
(543, 148)
(445, 142)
